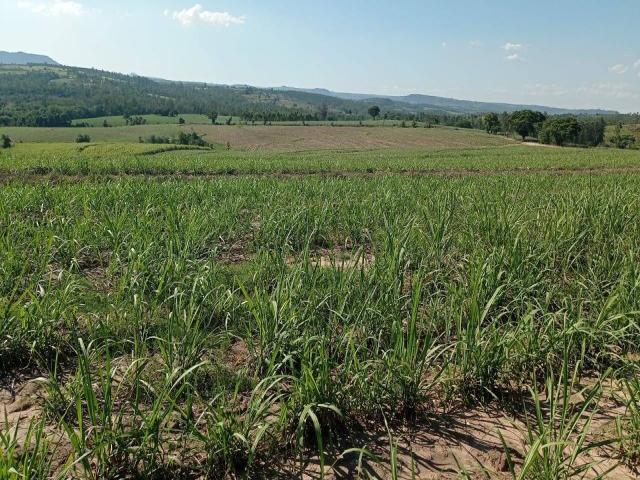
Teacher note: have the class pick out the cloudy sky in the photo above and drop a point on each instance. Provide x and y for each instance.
(566, 53)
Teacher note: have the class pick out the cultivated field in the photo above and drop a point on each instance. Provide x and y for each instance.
(359, 303)
(275, 138)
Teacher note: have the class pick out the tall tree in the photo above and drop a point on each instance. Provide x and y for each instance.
(491, 123)
(324, 112)
(213, 116)
(374, 111)
(560, 130)
(526, 122)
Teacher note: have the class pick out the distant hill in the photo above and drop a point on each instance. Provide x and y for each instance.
(31, 95)
(22, 58)
(55, 96)
(451, 105)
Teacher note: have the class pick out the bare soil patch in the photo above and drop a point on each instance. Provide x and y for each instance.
(337, 257)
(299, 138)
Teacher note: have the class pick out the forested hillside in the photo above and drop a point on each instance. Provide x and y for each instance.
(54, 96)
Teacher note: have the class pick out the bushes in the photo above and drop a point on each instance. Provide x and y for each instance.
(192, 138)
(464, 123)
(622, 140)
(156, 139)
(83, 138)
(183, 138)
(5, 141)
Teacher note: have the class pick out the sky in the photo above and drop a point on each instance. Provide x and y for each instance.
(564, 53)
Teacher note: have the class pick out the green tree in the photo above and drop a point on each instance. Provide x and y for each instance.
(83, 138)
(181, 121)
(526, 122)
(560, 130)
(374, 111)
(324, 112)
(491, 123)
(6, 141)
(213, 116)
(592, 131)
(464, 123)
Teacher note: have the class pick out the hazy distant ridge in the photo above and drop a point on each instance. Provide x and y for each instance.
(450, 104)
(22, 58)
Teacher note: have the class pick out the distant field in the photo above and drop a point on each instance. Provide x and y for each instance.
(119, 121)
(197, 119)
(277, 138)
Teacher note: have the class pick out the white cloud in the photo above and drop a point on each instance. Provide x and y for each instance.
(197, 14)
(53, 8)
(475, 43)
(513, 51)
(610, 90)
(619, 69)
(636, 64)
(513, 47)
(444, 44)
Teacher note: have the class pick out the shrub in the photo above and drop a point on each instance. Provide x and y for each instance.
(156, 139)
(83, 138)
(6, 141)
(622, 140)
(191, 138)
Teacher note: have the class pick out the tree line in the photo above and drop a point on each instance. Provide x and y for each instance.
(561, 130)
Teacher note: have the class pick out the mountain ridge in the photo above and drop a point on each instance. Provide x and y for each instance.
(452, 104)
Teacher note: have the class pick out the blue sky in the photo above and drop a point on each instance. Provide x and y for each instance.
(565, 53)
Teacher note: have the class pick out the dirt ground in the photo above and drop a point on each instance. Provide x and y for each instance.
(297, 138)
(437, 446)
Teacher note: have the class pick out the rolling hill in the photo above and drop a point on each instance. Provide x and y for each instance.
(22, 58)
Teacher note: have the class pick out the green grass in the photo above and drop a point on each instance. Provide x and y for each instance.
(119, 121)
(211, 327)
